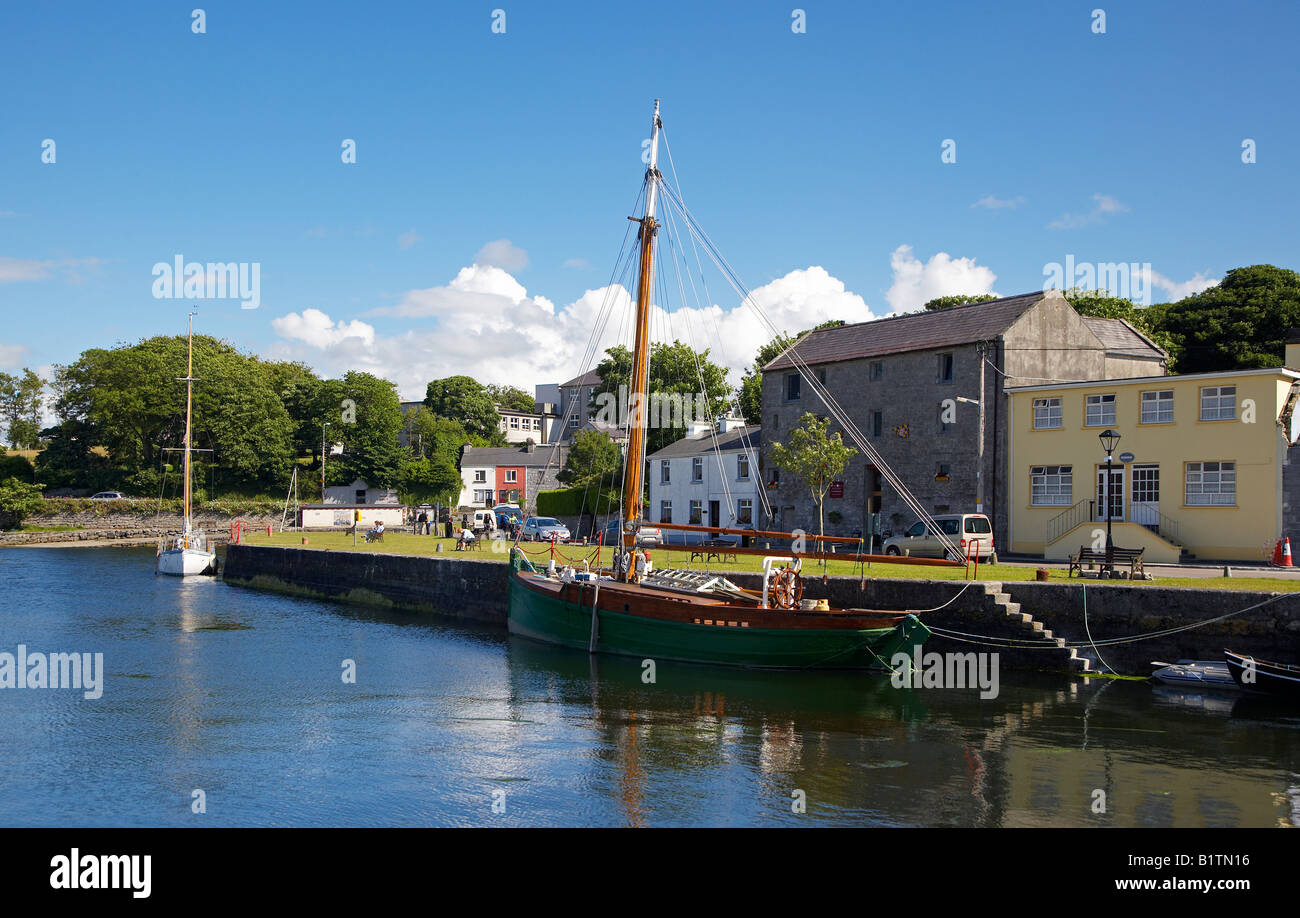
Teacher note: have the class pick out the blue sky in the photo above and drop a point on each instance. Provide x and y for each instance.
(794, 150)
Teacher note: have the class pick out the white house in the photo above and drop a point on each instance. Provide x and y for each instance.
(359, 493)
(522, 426)
(708, 478)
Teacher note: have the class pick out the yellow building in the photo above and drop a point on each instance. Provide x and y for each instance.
(1198, 466)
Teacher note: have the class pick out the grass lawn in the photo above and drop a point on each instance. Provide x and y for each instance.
(404, 543)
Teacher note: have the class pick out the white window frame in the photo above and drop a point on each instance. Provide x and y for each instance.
(697, 469)
(696, 513)
(1051, 485)
(1160, 405)
(1100, 417)
(1217, 403)
(480, 476)
(745, 506)
(512, 476)
(742, 467)
(665, 511)
(1210, 487)
(665, 471)
(1049, 415)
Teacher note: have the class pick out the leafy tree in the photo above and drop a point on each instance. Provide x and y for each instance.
(960, 299)
(369, 416)
(21, 404)
(70, 461)
(816, 457)
(1240, 324)
(594, 460)
(465, 400)
(429, 480)
(675, 369)
(18, 500)
(16, 467)
(751, 384)
(511, 398)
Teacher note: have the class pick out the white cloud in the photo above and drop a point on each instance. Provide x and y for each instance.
(29, 269)
(1104, 206)
(989, 202)
(916, 283)
(12, 356)
(501, 254)
(315, 329)
(484, 324)
(408, 239)
(1179, 289)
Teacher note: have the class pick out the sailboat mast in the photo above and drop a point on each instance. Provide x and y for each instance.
(637, 400)
(189, 397)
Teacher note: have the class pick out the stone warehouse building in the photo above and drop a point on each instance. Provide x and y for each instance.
(900, 379)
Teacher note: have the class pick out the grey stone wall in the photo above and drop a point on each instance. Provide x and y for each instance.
(1291, 495)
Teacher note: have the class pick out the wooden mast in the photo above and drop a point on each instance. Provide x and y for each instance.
(189, 397)
(635, 474)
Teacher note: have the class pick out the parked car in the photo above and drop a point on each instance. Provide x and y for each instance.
(506, 514)
(108, 495)
(646, 536)
(964, 530)
(542, 528)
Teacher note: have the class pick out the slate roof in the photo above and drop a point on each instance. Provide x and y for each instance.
(916, 332)
(590, 378)
(481, 456)
(1119, 337)
(703, 443)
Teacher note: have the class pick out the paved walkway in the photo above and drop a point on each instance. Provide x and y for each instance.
(1202, 569)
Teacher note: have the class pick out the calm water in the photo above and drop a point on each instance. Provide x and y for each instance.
(240, 694)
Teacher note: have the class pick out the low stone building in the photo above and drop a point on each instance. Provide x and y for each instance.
(912, 385)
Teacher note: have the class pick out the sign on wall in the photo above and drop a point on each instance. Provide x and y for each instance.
(837, 489)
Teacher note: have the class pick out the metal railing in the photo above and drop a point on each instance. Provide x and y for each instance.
(1082, 512)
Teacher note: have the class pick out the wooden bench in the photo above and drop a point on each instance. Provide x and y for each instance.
(719, 550)
(1119, 557)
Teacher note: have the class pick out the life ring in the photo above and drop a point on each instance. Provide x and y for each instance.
(786, 589)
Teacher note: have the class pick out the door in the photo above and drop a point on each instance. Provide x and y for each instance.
(1145, 502)
(1110, 492)
(715, 512)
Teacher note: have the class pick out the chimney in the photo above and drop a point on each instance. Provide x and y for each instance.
(529, 445)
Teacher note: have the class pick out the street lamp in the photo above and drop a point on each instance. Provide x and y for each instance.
(1109, 439)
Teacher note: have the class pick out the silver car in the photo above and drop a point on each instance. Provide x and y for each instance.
(646, 536)
(967, 531)
(542, 528)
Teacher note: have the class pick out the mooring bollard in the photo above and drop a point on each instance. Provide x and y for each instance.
(1041, 575)
(304, 540)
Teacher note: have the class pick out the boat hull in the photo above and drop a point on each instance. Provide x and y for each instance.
(1263, 676)
(186, 562)
(556, 620)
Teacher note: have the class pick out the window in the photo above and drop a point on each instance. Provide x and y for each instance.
(942, 471)
(821, 376)
(1211, 484)
(1047, 413)
(1099, 411)
(792, 387)
(945, 368)
(776, 421)
(877, 423)
(665, 511)
(482, 495)
(877, 370)
(361, 495)
(1158, 407)
(480, 476)
(505, 495)
(697, 469)
(742, 466)
(1219, 403)
(502, 426)
(512, 476)
(537, 423)
(514, 423)
(697, 513)
(663, 471)
(574, 422)
(776, 477)
(1051, 485)
(745, 511)
(917, 530)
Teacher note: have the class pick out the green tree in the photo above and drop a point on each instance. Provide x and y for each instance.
(675, 369)
(426, 481)
(21, 404)
(816, 457)
(1240, 324)
(959, 299)
(465, 400)
(16, 467)
(1149, 320)
(366, 415)
(751, 384)
(594, 460)
(19, 500)
(70, 461)
(511, 398)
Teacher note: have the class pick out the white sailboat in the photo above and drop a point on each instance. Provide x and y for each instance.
(189, 552)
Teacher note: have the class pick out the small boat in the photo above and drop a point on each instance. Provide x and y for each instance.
(1263, 676)
(1204, 674)
(189, 551)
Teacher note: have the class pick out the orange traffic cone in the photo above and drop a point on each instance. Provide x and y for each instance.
(1277, 553)
(1286, 552)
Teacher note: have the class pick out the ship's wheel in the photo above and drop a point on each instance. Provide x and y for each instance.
(786, 589)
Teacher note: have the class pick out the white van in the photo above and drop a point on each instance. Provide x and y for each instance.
(967, 531)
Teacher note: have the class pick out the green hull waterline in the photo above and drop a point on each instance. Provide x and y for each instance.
(556, 621)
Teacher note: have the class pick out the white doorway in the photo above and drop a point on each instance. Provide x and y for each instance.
(1145, 502)
(1110, 492)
